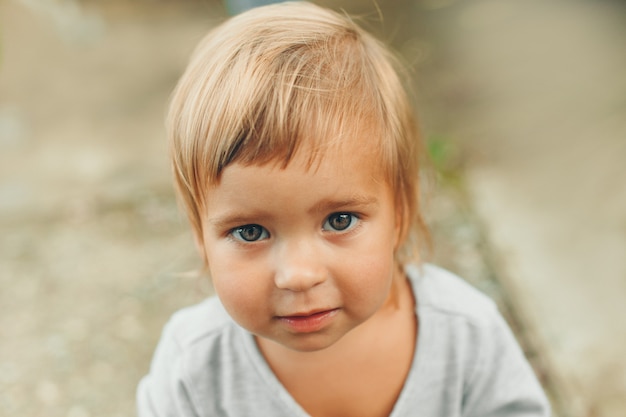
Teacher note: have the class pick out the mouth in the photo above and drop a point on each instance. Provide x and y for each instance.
(308, 322)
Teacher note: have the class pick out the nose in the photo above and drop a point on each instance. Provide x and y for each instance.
(299, 266)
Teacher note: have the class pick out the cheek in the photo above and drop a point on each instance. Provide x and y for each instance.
(372, 270)
(240, 287)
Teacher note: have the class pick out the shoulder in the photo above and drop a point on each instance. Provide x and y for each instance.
(190, 344)
(467, 344)
(438, 290)
(465, 318)
(198, 338)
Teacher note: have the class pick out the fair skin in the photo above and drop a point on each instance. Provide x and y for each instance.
(303, 258)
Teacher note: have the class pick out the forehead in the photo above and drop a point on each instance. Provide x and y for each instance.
(328, 160)
(348, 176)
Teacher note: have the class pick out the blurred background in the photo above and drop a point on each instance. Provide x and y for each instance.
(523, 107)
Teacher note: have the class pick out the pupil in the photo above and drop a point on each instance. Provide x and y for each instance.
(250, 232)
(340, 221)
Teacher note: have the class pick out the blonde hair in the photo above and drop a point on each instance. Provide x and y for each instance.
(267, 81)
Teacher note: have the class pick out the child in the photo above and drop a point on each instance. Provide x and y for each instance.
(295, 154)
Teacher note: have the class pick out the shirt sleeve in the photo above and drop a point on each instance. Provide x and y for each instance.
(502, 383)
(162, 393)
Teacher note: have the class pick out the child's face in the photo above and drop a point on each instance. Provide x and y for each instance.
(300, 255)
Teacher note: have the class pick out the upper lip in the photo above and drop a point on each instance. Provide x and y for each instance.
(308, 313)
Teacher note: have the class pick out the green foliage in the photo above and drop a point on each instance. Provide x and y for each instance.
(442, 152)
(445, 158)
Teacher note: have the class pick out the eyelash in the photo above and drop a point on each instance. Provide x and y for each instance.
(236, 233)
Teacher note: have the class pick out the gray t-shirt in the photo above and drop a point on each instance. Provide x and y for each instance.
(467, 362)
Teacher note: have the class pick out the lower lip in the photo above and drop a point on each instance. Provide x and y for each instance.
(309, 324)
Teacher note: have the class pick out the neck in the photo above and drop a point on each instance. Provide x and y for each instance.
(361, 374)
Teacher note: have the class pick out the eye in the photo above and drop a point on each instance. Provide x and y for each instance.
(250, 233)
(340, 222)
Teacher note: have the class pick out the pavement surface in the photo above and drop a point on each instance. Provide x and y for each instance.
(524, 108)
(541, 122)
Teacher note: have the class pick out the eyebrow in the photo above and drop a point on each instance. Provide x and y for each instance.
(354, 202)
(228, 221)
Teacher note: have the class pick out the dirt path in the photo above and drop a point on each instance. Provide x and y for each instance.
(92, 244)
(536, 102)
